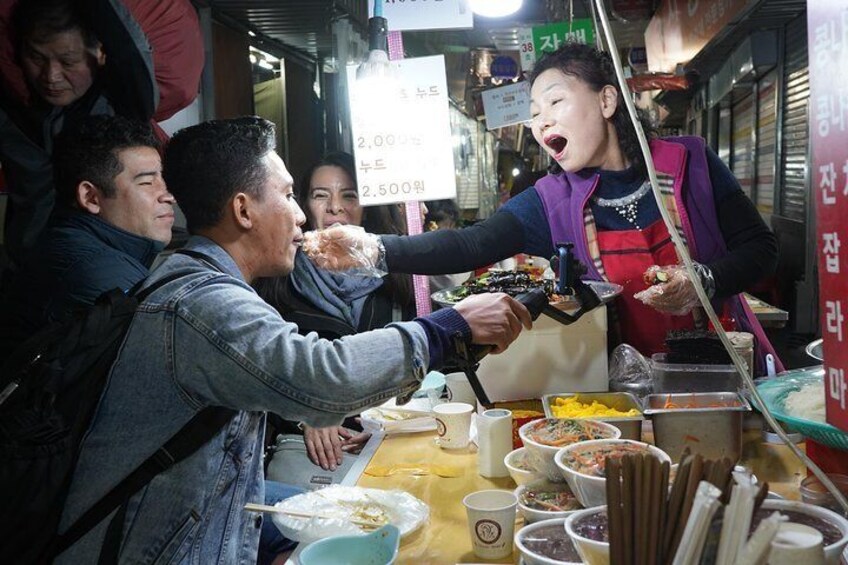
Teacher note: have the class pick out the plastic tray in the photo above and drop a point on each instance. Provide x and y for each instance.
(774, 392)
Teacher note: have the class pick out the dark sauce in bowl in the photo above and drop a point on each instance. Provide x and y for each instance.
(593, 527)
(551, 542)
(829, 531)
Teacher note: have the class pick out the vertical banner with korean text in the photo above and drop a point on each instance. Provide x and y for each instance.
(827, 26)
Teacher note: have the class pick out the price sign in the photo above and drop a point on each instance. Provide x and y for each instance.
(411, 15)
(507, 105)
(526, 50)
(827, 27)
(401, 133)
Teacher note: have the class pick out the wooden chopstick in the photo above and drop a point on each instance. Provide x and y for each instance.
(614, 518)
(251, 507)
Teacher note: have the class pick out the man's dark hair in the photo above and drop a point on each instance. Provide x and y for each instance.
(595, 68)
(89, 152)
(39, 20)
(206, 164)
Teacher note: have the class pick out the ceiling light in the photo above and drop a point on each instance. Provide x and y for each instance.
(265, 64)
(495, 8)
(253, 58)
(251, 34)
(515, 171)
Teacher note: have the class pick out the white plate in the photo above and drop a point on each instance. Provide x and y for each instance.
(335, 504)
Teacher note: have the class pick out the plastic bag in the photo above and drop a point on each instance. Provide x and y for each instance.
(671, 290)
(345, 248)
(328, 512)
(629, 371)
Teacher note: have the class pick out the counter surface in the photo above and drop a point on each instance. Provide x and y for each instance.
(445, 539)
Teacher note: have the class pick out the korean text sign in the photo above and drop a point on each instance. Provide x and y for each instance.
(507, 105)
(401, 133)
(827, 25)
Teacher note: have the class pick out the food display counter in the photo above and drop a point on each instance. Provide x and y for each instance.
(445, 538)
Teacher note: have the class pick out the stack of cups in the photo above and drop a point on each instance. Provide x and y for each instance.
(459, 389)
(494, 440)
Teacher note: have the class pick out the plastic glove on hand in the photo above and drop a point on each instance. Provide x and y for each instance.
(672, 290)
(344, 248)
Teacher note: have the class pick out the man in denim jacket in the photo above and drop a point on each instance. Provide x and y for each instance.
(206, 339)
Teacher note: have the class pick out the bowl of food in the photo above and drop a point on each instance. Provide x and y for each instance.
(583, 465)
(520, 468)
(833, 527)
(590, 535)
(543, 500)
(543, 438)
(546, 543)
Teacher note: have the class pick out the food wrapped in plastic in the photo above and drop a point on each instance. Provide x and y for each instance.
(629, 371)
(672, 290)
(345, 248)
(341, 510)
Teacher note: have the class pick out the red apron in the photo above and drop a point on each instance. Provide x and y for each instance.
(626, 255)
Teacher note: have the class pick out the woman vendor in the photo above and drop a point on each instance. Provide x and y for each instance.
(598, 196)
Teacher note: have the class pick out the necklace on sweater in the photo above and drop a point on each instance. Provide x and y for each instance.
(626, 206)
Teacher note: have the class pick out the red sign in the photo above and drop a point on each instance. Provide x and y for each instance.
(827, 29)
(679, 29)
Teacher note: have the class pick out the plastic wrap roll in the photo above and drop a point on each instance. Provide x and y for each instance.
(494, 433)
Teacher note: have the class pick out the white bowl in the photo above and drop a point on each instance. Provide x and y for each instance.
(592, 491)
(519, 475)
(530, 557)
(832, 551)
(542, 455)
(593, 552)
(535, 515)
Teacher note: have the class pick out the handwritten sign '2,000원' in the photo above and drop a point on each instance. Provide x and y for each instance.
(401, 133)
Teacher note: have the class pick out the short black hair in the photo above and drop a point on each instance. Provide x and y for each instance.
(595, 68)
(89, 152)
(206, 164)
(39, 20)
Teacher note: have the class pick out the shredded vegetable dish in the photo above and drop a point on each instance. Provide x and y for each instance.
(571, 407)
(591, 460)
(548, 499)
(555, 432)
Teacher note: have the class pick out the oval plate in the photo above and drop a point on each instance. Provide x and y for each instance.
(606, 291)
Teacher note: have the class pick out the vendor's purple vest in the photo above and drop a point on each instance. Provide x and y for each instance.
(564, 197)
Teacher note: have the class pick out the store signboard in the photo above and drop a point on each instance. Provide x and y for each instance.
(507, 105)
(412, 15)
(536, 41)
(827, 31)
(401, 133)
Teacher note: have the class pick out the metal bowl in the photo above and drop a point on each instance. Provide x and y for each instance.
(814, 350)
(606, 292)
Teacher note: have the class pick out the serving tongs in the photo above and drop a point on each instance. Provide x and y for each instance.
(537, 302)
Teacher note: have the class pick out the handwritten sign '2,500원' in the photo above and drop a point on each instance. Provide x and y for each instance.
(401, 133)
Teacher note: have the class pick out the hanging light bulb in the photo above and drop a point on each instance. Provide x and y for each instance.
(495, 8)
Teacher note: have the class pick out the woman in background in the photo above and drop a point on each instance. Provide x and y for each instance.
(338, 304)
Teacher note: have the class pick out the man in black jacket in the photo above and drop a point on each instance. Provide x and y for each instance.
(114, 216)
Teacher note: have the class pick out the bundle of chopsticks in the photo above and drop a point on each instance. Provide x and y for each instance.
(647, 522)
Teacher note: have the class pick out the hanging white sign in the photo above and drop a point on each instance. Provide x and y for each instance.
(507, 105)
(411, 15)
(401, 133)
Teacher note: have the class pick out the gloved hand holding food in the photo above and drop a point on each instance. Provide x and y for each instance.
(671, 290)
(344, 248)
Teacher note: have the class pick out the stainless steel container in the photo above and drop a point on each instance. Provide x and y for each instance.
(707, 423)
(631, 427)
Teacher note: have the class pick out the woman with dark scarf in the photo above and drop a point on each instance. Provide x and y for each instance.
(338, 304)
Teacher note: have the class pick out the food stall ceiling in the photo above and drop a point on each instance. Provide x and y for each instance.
(304, 26)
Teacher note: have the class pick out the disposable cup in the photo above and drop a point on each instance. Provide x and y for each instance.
(797, 543)
(453, 422)
(459, 389)
(491, 522)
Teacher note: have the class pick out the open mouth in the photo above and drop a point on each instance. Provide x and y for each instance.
(556, 142)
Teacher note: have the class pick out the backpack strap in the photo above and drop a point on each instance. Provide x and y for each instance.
(196, 433)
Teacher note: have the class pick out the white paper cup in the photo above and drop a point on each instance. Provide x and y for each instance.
(797, 543)
(491, 522)
(453, 422)
(459, 389)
